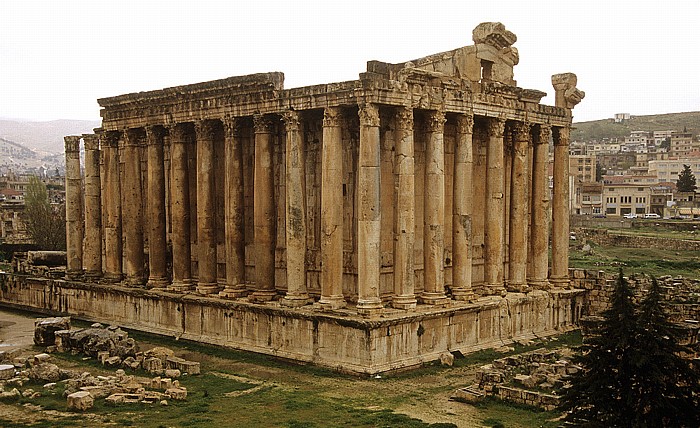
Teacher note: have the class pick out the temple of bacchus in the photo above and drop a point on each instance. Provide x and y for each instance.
(364, 225)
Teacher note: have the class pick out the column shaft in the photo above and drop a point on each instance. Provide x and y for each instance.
(92, 256)
(369, 215)
(295, 212)
(132, 214)
(74, 209)
(111, 200)
(539, 232)
(494, 235)
(517, 274)
(156, 208)
(206, 208)
(180, 209)
(234, 211)
(405, 218)
(560, 209)
(264, 210)
(434, 212)
(462, 210)
(332, 210)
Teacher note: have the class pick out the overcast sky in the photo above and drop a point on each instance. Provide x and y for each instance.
(57, 57)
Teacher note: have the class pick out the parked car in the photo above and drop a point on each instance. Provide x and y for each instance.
(651, 215)
(630, 215)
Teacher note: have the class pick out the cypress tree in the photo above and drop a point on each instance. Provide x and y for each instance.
(686, 180)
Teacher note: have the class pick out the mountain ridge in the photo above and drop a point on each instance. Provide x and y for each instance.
(607, 128)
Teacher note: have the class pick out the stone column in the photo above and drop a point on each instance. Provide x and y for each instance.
(368, 216)
(539, 232)
(234, 211)
(560, 209)
(132, 213)
(462, 210)
(206, 208)
(74, 209)
(264, 210)
(493, 236)
(158, 276)
(434, 212)
(112, 203)
(332, 210)
(180, 209)
(92, 255)
(404, 228)
(517, 264)
(295, 212)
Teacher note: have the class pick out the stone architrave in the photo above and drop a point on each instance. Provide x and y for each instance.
(180, 209)
(404, 229)
(206, 208)
(332, 210)
(156, 208)
(462, 210)
(132, 214)
(517, 263)
(559, 277)
(74, 209)
(92, 253)
(111, 200)
(264, 210)
(434, 212)
(495, 205)
(296, 294)
(539, 232)
(234, 214)
(369, 212)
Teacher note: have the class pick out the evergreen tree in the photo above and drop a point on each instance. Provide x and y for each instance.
(686, 180)
(599, 395)
(668, 387)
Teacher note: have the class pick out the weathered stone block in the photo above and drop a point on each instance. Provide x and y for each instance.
(45, 329)
(80, 401)
(7, 371)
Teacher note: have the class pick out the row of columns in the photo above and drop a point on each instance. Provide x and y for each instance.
(528, 194)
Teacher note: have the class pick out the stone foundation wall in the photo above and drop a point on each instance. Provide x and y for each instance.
(612, 239)
(339, 339)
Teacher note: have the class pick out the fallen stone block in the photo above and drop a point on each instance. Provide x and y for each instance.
(172, 373)
(9, 396)
(80, 401)
(41, 358)
(113, 361)
(468, 395)
(176, 393)
(446, 359)
(48, 372)
(7, 371)
(45, 329)
(153, 365)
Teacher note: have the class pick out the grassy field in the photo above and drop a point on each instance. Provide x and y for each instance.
(238, 389)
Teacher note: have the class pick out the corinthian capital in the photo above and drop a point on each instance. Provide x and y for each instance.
(436, 121)
(332, 116)
(232, 126)
(521, 130)
(545, 133)
(204, 129)
(497, 127)
(404, 118)
(292, 120)
(92, 141)
(72, 143)
(465, 123)
(369, 115)
(263, 124)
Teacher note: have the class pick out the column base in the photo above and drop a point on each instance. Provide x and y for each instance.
(517, 288)
(538, 284)
(496, 290)
(233, 292)
(181, 286)
(93, 275)
(157, 283)
(74, 274)
(296, 301)
(368, 308)
(135, 282)
(561, 283)
(208, 288)
(332, 302)
(262, 296)
(435, 299)
(464, 295)
(406, 302)
(112, 278)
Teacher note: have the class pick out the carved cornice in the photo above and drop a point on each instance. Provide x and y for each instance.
(333, 116)
(404, 118)
(292, 120)
(369, 115)
(496, 127)
(262, 124)
(91, 141)
(465, 124)
(435, 121)
(72, 143)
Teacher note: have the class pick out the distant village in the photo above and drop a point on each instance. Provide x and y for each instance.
(634, 176)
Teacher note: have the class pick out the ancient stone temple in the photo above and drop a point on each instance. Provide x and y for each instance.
(365, 225)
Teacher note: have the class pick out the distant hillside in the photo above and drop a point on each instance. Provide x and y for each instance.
(44, 136)
(607, 128)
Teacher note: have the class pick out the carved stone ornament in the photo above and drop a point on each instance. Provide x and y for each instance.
(494, 34)
(232, 126)
(72, 143)
(154, 135)
(369, 115)
(176, 132)
(110, 139)
(567, 95)
(404, 118)
(465, 124)
(436, 121)
(204, 129)
(545, 133)
(332, 116)
(292, 120)
(497, 127)
(521, 131)
(91, 141)
(263, 124)
(133, 137)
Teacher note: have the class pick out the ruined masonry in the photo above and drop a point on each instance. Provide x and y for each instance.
(364, 225)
